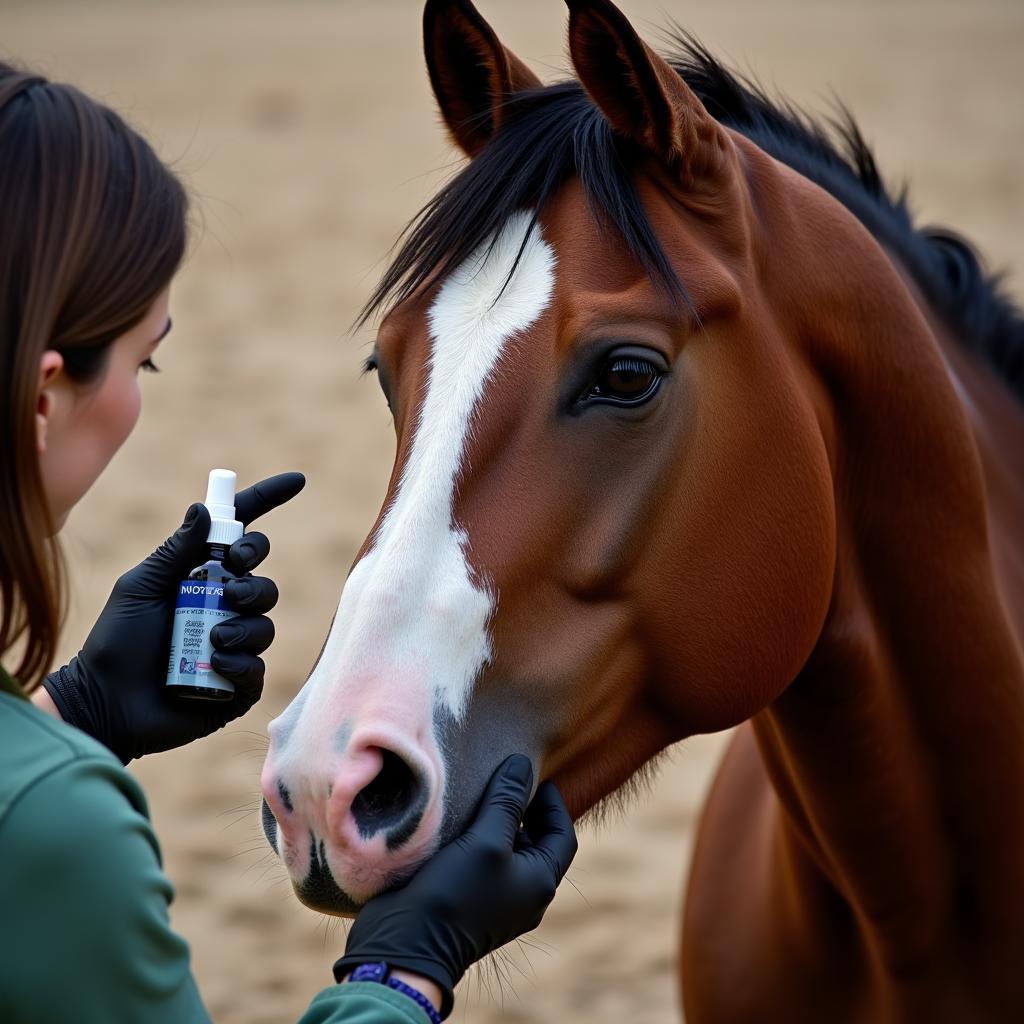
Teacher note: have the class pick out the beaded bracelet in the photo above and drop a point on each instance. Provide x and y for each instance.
(380, 973)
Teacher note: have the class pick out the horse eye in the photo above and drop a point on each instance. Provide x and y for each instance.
(626, 380)
(371, 365)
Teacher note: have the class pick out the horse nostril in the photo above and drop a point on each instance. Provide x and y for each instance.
(269, 824)
(394, 801)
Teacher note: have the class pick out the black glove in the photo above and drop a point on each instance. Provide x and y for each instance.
(482, 890)
(114, 690)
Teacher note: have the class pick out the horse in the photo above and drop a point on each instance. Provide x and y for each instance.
(696, 429)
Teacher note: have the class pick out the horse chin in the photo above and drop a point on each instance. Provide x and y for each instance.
(337, 901)
(339, 905)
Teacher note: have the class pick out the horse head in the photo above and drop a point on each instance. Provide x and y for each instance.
(610, 522)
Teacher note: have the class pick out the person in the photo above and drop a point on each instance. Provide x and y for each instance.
(93, 231)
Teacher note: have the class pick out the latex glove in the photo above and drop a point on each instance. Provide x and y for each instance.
(485, 888)
(114, 690)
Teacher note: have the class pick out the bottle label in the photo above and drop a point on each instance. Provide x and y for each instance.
(199, 607)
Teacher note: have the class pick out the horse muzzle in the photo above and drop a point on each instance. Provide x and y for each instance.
(357, 821)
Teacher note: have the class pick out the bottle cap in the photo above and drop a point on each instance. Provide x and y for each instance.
(220, 501)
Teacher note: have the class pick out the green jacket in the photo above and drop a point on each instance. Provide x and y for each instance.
(85, 935)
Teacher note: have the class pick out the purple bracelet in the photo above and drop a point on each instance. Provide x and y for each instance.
(380, 973)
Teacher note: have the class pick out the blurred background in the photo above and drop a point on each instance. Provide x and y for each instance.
(307, 134)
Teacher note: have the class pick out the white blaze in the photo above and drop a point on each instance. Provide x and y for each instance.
(411, 607)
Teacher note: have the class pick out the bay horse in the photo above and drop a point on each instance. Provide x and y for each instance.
(695, 429)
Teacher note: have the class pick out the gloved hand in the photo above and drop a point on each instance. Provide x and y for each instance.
(485, 888)
(114, 690)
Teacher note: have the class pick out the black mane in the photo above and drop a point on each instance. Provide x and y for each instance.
(552, 133)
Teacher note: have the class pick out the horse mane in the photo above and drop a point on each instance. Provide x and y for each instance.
(834, 155)
(552, 133)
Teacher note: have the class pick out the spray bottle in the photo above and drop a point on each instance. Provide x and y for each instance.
(201, 604)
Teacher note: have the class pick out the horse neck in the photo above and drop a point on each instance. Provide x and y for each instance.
(996, 417)
(897, 755)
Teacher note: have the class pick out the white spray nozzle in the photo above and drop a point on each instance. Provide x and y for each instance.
(220, 501)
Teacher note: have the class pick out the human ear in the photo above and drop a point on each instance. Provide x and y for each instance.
(51, 365)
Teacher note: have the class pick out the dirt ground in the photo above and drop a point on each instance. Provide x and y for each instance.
(307, 133)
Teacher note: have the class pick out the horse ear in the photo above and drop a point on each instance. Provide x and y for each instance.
(639, 93)
(471, 72)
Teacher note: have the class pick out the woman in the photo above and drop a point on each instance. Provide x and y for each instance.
(92, 231)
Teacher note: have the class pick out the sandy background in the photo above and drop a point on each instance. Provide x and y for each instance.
(307, 132)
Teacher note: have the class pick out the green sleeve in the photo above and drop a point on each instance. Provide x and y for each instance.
(85, 934)
(85, 930)
(362, 1002)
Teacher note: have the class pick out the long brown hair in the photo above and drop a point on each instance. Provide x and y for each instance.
(92, 229)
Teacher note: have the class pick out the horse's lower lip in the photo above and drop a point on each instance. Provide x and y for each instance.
(338, 904)
(332, 899)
